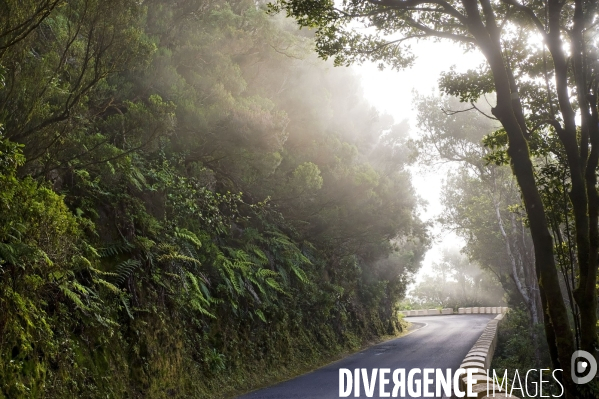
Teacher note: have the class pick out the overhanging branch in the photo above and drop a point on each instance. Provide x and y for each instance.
(403, 4)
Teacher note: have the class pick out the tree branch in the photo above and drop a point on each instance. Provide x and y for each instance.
(403, 4)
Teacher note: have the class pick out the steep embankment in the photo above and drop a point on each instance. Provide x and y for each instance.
(191, 203)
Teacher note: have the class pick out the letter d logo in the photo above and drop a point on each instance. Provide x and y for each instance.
(581, 366)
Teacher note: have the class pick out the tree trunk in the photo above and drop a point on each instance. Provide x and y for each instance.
(582, 165)
(556, 324)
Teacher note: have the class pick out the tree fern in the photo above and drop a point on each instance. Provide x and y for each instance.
(189, 236)
(124, 269)
(256, 283)
(197, 301)
(115, 249)
(74, 297)
(256, 255)
(263, 273)
(275, 285)
(8, 254)
(299, 273)
(111, 287)
(136, 178)
(259, 313)
(101, 272)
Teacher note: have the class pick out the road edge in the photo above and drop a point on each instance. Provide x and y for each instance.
(411, 327)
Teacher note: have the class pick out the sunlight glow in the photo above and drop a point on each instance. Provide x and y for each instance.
(392, 92)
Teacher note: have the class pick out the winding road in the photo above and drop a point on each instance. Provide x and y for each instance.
(440, 342)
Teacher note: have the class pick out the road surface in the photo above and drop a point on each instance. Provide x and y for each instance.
(442, 342)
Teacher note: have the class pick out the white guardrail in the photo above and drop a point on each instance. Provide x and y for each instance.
(481, 354)
(479, 357)
(474, 310)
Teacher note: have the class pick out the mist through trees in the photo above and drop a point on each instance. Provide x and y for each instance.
(194, 202)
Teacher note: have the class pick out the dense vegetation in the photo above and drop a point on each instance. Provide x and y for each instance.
(191, 203)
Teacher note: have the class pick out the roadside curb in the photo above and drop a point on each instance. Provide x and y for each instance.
(449, 311)
(480, 357)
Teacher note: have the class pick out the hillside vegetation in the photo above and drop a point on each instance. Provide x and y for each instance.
(192, 203)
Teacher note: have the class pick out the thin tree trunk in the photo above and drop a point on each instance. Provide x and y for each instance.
(522, 288)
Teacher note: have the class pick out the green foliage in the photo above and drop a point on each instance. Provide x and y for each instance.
(469, 87)
(190, 203)
(49, 286)
(519, 349)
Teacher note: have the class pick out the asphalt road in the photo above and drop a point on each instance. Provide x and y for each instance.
(441, 343)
